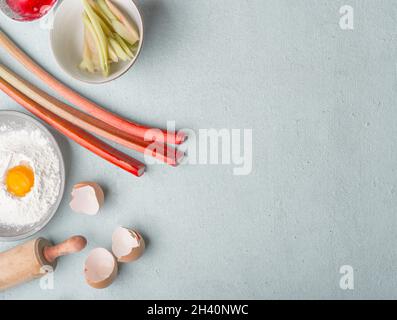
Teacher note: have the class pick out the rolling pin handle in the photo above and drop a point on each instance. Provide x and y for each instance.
(71, 245)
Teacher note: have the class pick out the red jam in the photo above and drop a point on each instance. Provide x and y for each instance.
(31, 9)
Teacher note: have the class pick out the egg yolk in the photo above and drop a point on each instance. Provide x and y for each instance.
(20, 180)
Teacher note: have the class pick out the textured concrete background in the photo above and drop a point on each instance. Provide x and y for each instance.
(322, 194)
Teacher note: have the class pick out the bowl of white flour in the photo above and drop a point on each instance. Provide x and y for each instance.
(25, 141)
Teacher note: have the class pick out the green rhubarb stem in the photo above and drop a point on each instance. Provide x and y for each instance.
(103, 52)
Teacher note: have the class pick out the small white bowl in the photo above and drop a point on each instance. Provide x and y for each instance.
(67, 40)
(19, 119)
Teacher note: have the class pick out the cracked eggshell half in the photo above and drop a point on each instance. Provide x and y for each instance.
(87, 198)
(100, 268)
(127, 245)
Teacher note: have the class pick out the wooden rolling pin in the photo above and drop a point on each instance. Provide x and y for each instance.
(25, 262)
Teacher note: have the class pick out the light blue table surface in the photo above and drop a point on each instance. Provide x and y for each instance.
(321, 102)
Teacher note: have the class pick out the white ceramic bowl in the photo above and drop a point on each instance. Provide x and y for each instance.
(67, 40)
(19, 119)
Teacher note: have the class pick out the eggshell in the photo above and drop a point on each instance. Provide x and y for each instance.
(87, 198)
(127, 245)
(100, 268)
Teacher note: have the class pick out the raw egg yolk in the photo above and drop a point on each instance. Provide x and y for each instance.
(20, 180)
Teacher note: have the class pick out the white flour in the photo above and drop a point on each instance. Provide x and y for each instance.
(28, 145)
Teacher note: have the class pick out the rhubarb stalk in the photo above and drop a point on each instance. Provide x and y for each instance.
(91, 21)
(112, 119)
(80, 136)
(157, 150)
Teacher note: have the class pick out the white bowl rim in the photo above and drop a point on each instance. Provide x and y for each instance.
(111, 77)
(58, 150)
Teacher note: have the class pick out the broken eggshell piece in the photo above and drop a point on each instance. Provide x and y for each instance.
(87, 198)
(127, 245)
(100, 268)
